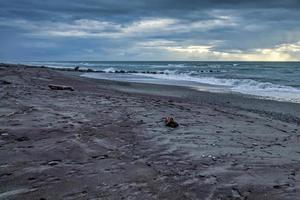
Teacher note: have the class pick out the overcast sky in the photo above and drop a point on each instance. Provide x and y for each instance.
(150, 30)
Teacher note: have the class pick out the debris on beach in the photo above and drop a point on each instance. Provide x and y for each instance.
(170, 122)
(60, 87)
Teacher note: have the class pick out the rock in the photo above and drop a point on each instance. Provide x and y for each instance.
(90, 70)
(170, 122)
(132, 72)
(60, 87)
(120, 72)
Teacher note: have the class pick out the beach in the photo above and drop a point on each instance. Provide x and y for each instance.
(107, 140)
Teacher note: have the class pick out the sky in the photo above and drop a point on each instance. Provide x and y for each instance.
(120, 30)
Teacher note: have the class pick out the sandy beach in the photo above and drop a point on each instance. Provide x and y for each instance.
(107, 140)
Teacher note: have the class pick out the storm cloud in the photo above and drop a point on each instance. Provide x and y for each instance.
(149, 30)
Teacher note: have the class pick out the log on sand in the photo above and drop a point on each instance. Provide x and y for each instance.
(60, 87)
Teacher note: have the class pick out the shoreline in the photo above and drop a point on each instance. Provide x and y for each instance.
(233, 100)
(148, 77)
(281, 110)
(107, 140)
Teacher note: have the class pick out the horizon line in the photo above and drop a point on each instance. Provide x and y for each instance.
(141, 61)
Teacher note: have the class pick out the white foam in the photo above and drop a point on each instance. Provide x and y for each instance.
(170, 65)
(169, 72)
(245, 86)
(109, 70)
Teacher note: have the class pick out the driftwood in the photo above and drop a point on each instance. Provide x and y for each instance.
(170, 122)
(60, 87)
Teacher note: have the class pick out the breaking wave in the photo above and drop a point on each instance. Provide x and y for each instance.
(245, 86)
(110, 70)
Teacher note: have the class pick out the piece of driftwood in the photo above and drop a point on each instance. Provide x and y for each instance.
(60, 87)
(170, 122)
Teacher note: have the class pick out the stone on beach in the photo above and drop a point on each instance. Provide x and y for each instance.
(60, 87)
(170, 122)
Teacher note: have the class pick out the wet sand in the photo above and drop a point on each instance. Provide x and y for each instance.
(107, 140)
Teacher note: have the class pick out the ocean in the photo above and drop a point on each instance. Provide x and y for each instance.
(270, 80)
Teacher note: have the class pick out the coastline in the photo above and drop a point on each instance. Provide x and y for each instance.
(107, 139)
(286, 111)
(282, 110)
(262, 80)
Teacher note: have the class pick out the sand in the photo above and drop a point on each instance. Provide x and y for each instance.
(107, 140)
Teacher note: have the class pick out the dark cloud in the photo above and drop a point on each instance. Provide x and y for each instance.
(129, 9)
(102, 29)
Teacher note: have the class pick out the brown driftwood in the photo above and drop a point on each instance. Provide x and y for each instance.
(170, 122)
(60, 87)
